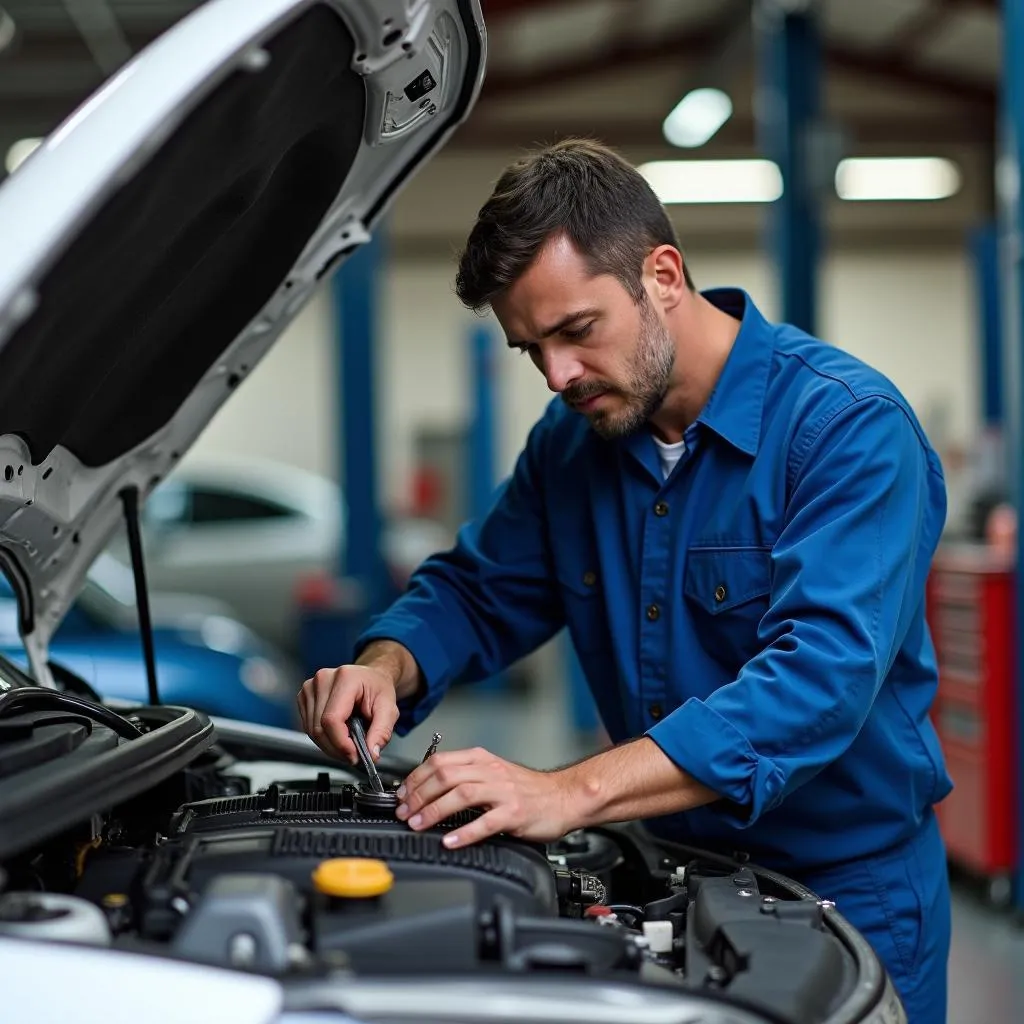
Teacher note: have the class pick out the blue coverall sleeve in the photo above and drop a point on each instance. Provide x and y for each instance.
(848, 576)
(472, 611)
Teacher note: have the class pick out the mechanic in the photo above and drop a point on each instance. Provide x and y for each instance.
(735, 521)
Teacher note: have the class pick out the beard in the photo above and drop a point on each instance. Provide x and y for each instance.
(650, 374)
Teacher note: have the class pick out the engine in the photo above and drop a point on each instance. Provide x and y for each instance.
(312, 878)
(308, 873)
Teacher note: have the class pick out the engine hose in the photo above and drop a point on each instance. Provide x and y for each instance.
(32, 699)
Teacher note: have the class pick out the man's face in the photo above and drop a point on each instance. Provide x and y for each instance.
(608, 358)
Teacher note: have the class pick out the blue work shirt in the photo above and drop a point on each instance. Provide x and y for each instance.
(760, 614)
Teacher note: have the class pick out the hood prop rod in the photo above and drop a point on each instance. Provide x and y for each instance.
(130, 500)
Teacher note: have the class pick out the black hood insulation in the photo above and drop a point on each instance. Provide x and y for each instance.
(176, 263)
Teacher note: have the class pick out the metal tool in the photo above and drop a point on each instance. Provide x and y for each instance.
(432, 749)
(357, 728)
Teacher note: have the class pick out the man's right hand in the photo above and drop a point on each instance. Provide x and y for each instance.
(326, 702)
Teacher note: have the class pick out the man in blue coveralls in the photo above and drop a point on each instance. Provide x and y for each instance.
(735, 521)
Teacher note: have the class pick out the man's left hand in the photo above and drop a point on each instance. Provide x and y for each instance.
(515, 800)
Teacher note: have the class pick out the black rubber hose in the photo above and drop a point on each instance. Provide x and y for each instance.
(33, 699)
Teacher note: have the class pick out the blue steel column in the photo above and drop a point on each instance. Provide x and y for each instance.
(356, 296)
(985, 252)
(481, 444)
(790, 72)
(1013, 223)
(481, 447)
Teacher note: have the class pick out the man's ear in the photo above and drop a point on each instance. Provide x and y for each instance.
(666, 278)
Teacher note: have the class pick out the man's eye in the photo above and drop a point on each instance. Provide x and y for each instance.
(582, 332)
(523, 349)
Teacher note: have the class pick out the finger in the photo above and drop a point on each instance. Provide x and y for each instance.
(461, 798)
(443, 761)
(330, 717)
(311, 721)
(384, 714)
(487, 825)
(435, 786)
(303, 700)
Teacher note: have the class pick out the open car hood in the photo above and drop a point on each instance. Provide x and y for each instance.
(159, 241)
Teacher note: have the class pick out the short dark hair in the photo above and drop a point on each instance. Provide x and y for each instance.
(577, 187)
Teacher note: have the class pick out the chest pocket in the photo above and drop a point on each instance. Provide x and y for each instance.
(727, 591)
(582, 598)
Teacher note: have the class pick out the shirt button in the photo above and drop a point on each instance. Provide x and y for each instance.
(653, 613)
(589, 579)
(720, 593)
(655, 711)
(661, 509)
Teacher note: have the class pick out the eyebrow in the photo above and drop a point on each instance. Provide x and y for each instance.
(566, 321)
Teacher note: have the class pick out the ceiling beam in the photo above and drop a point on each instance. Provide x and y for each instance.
(738, 134)
(142, 15)
(887, 69)
(703, 241)
(101, 32)
(499, 10)
(923, 23)
(689, 47)
(695, 44)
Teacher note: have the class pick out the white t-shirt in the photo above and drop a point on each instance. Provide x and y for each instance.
(670, 454)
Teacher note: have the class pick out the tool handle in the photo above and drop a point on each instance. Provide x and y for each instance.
(357, 727)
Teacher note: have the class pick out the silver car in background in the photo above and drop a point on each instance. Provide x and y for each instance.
(249, 532)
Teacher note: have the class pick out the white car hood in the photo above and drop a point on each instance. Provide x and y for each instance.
(158, 242)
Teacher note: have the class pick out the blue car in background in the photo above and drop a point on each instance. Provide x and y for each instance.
(205, 658)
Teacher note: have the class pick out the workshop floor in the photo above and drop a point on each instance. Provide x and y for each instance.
(986, 970)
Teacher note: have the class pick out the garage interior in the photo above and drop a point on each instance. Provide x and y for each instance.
(387, 415)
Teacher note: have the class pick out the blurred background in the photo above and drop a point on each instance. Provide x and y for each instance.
(853, 164)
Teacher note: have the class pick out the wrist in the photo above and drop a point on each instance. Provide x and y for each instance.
(394, 661)
(582, 795)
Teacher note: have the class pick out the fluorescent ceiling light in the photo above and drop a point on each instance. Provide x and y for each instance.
(897, 178)
(714, 181)
(696, 117)
(19, 153)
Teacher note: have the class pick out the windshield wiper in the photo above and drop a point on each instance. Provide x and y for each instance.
(130, 500)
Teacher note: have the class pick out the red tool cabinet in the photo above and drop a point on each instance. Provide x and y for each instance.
(971, 616)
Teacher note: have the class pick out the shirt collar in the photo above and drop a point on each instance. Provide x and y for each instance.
(736, 406)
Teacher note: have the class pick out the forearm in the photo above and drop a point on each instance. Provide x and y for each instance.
(394, 659)
(635, 780)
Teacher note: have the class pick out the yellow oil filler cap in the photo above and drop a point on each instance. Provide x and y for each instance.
(353, 877)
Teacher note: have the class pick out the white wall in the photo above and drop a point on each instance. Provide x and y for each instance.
(911, 315)
(285, 410)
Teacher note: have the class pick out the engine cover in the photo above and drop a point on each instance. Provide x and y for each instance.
(288, 829)
(270, 843)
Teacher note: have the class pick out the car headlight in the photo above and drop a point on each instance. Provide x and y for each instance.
(262, 677)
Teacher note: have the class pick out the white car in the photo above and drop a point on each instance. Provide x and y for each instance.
(249, 531)
(158, 864)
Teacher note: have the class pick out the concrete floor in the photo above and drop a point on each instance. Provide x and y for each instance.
(986, 968)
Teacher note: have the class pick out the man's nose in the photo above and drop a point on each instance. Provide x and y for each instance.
(560, 370)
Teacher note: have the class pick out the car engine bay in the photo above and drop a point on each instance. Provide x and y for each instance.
(311, 877)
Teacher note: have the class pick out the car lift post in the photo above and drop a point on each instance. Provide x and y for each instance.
(481, 443)
(1012, 217)
(356, 295)
(984, 242)
(789, 84)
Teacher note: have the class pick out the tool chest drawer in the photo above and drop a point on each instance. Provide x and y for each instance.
(971, 616)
